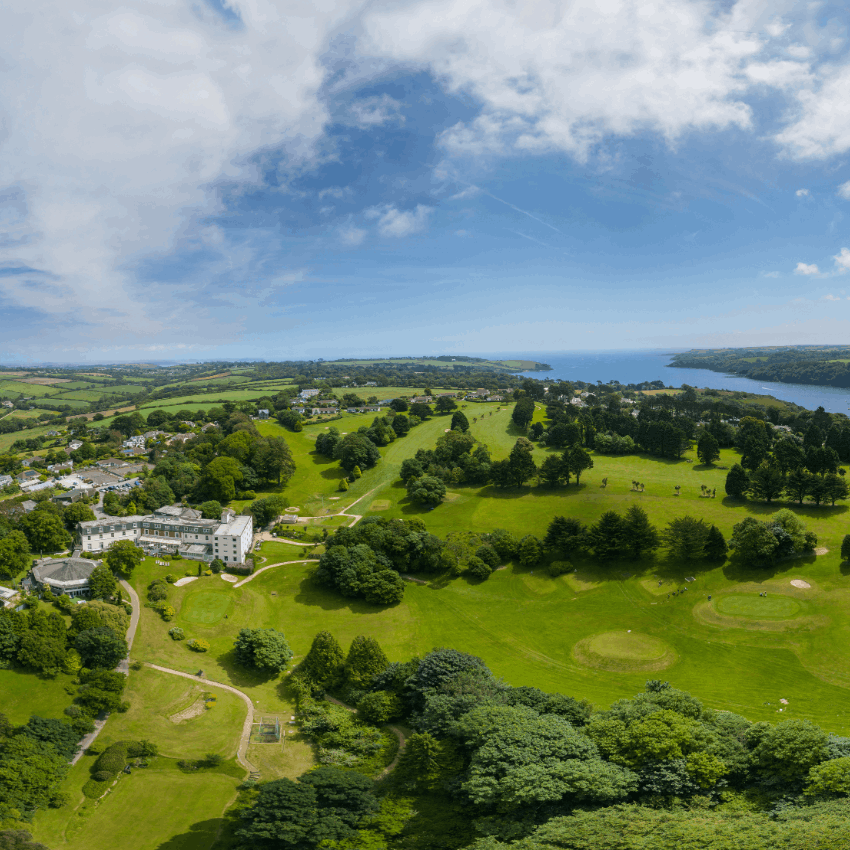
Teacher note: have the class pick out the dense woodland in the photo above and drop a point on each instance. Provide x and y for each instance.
(492, 767)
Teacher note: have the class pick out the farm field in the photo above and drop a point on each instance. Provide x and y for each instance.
(10, 388)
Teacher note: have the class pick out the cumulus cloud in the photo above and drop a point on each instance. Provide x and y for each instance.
(831, 298)
(844, 191)
(806, 269)
(822, 124)
(118, 121)
(559, 75)
(802, 193)
(842, 260)
(396, 222)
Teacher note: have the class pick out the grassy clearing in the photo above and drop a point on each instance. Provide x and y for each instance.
(156, 697)
(148, 810)
(625, 652)
(23, 694)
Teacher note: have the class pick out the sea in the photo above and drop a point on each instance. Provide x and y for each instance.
(634, 367)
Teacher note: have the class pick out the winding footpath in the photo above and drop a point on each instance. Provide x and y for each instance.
(402, 740)
(244, 739)
(123, 667)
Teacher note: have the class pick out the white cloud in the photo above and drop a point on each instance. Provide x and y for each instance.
(842, 260)
(373, 111)
(802, 193)
(352, 236)
(117, 122)
(844, 191)
(559, 75)
(396, 222)
(806, 269)
(831, 298)
(770, 274)
(821, 127)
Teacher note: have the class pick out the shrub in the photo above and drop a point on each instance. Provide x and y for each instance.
(380, 707)
(112, 759)
(94, 789)
(198, 644)
(96, 747)
(167, 613)
(189, 573)
(171, 578)
(102, 776)
(558, 568)
(489, 555)
(477, 568)
(217, 566)
(59, 799)
(73, 711)
(207, 572)
(177, 633)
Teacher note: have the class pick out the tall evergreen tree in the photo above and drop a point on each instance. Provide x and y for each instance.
(365, 660)
(708, 449)
(641, 537)
(608, 536)
(323, 664)
(737, 482)
(715, 545)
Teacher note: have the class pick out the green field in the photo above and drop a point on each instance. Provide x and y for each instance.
(10, 388)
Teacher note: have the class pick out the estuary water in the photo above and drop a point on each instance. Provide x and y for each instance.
(633, 367)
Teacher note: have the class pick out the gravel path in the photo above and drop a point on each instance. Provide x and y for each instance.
(123, 666)
(242, 750)
(269, 567)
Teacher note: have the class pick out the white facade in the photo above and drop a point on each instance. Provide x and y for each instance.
(175, 529)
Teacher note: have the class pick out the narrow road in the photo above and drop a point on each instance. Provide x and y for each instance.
(123, 667)
(241, 752)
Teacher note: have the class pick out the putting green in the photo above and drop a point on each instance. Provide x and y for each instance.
(624, 652)
(205, 608)
(757, 607)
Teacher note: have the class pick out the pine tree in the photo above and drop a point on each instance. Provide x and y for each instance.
(641, 537)
(365, 660)
(608, 536)
(737, 482)
(845, 548)
(715, 546)
(323, 664)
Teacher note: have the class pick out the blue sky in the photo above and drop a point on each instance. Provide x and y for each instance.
(293, 180)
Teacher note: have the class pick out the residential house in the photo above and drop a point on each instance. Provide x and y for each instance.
(111, 463)
(61, 467)
(52, 433)
(73, 446)
(29, 505)
(35, 486)
(209, 425)
(299, 409)
(8, 404)
(371, 384)
(136, 451)
(180, 438)
(28, 475)
(495, 398)
(132, 442)
(5, 480)
(305, 394)
(321, 411)
(262, 414)
(422, 399)
(71, 496)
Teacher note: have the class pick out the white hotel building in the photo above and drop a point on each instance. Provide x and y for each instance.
(174, 529)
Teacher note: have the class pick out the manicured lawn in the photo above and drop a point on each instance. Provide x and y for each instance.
(753, 605)
(148, 810)
(155, 698)
(23, 694)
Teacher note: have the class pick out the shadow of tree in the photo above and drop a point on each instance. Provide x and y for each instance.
(202, 834)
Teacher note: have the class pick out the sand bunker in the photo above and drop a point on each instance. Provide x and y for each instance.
(195, 710)
(230, 578)
(798, 582)
(185, 580)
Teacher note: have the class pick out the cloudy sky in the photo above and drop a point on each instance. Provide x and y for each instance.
(256, 178)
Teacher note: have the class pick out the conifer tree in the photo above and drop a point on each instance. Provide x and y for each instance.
(365, 660)
(641, 537)
(715, 545)
(323, 664)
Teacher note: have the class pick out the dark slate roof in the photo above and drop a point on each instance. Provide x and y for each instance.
(64, 569)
